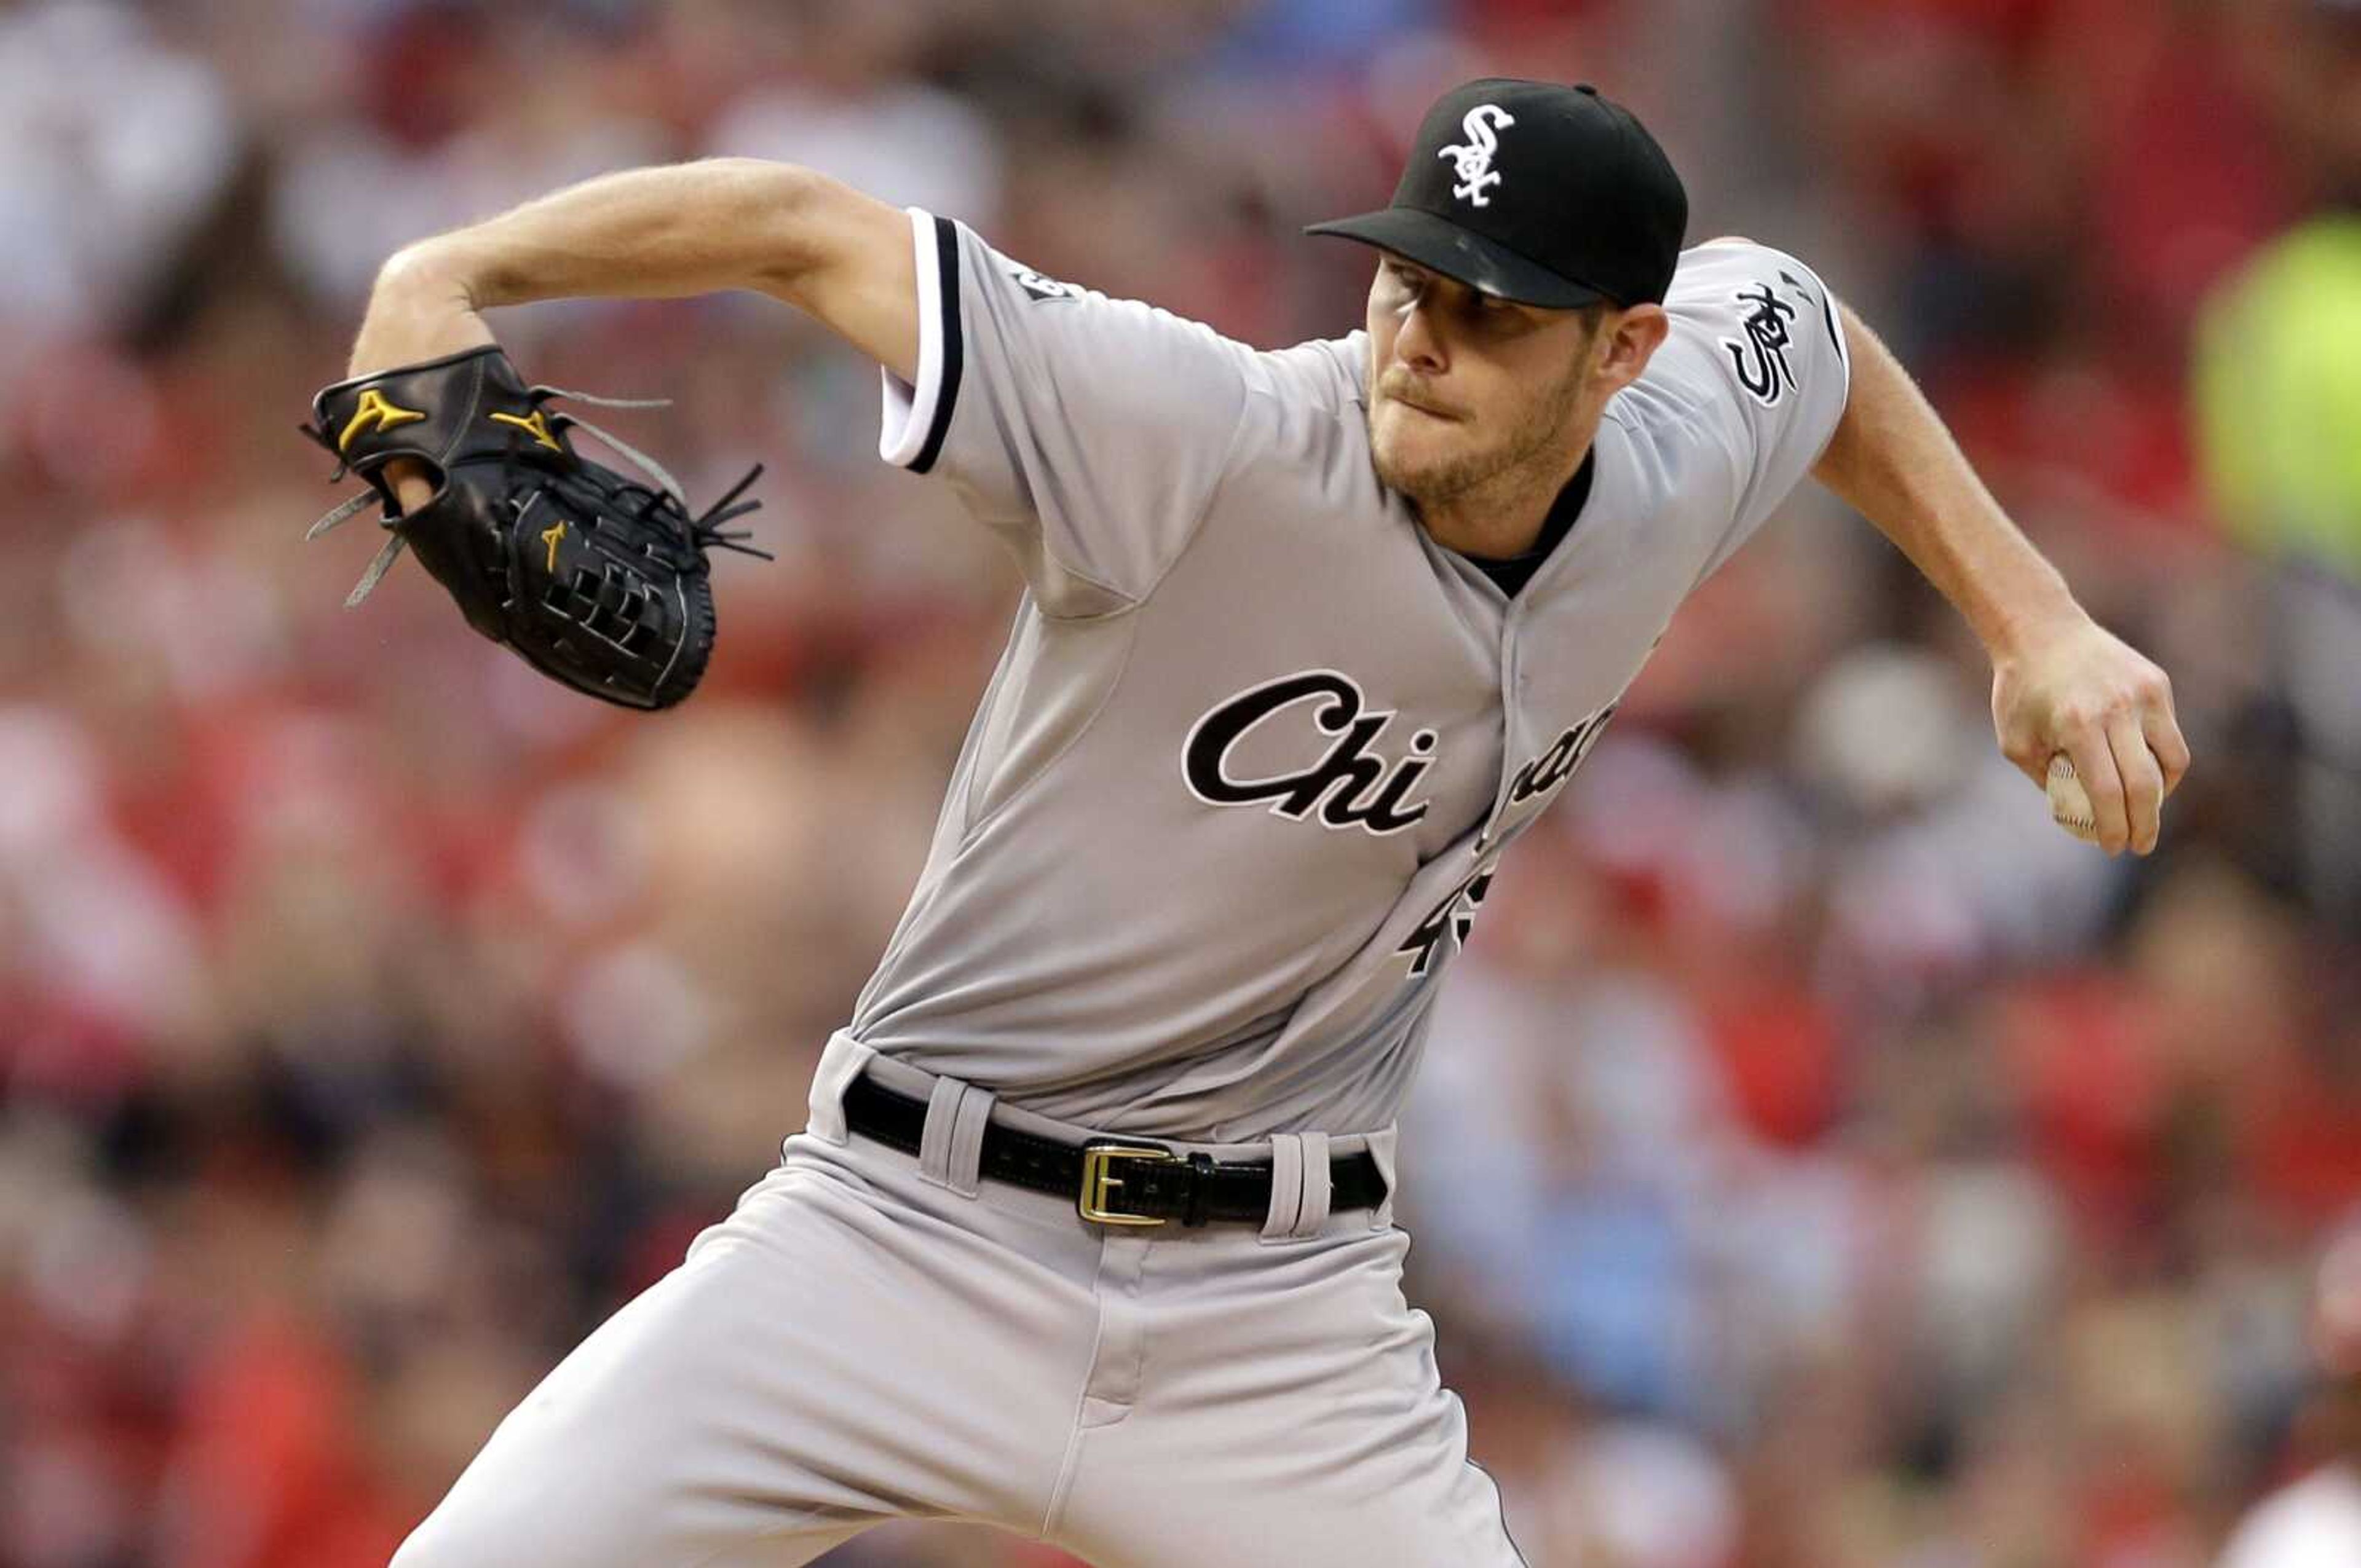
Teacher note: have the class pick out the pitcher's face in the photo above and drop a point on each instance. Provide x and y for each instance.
(1464, 387)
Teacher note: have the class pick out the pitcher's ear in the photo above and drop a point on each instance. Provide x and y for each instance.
(1633, 337)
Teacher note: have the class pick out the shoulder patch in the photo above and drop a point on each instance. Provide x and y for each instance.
(1042, 288)
(1760, 356)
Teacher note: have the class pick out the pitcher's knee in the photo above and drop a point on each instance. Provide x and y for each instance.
(545, 1530)
(429, 1547)
(447, 1539)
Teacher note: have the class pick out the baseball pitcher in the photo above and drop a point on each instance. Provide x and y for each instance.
(1090, 1233)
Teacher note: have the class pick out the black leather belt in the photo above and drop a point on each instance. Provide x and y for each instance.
(1112, 1181)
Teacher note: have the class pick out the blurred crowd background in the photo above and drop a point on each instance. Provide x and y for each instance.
(1821, 1160)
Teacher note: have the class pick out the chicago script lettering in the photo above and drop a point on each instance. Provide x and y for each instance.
(1351, 785)
(1556, 764)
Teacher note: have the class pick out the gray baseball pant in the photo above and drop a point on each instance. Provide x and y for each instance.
(872, 1335)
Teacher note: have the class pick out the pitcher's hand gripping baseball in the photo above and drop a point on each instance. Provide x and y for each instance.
(596, 580)
(2079, 692)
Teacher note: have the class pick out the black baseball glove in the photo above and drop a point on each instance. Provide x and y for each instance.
(593, 579)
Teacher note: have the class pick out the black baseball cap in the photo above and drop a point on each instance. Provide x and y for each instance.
(1543, 194)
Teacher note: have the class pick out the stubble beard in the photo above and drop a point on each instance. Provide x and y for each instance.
(1530, 449)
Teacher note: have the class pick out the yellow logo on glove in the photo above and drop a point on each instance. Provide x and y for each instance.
(550, 536)
(374, 411)
(535, 424)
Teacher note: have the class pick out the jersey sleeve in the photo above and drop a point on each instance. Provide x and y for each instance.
(1088, 433)
(1758, 350)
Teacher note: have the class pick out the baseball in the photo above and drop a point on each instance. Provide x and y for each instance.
(2070, 804)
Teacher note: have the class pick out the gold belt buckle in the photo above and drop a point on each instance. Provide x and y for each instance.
(1098, 1182)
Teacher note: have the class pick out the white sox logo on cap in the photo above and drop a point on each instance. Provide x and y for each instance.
(1473, 159)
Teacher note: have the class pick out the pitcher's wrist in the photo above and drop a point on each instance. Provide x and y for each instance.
(2038, 611)
(419, 309)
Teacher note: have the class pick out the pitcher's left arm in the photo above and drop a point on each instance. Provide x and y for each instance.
(2060, 681)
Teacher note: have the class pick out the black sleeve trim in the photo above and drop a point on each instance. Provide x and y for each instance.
(948, 304)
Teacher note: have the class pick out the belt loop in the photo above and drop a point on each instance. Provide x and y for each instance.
(1318, 1188)
(935, 1143)
(964, 1158)
(1383, 1144)
(839, 1064)
(1286, 1186)
(1201, 1188)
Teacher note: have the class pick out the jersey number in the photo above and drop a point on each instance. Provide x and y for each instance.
(1456, 916)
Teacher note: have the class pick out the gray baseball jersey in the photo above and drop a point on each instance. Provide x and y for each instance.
(1230, 802)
